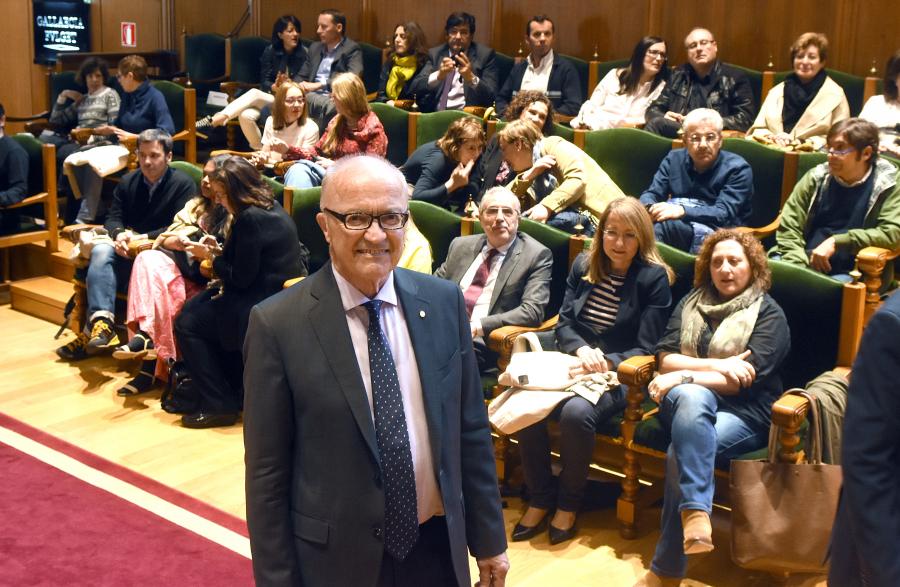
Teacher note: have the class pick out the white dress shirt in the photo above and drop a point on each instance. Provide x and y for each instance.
(607, 108)
(537, 78)
(393, 323)
(483, 304)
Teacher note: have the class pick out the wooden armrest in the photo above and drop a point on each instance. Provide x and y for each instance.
(476, 110)
(370, 97)
(281, 167)
(231, 88)
(789, 411)
(876, 257)
(562, 118)
(763, 231)
(407, 105)
(733, 134)
(292, 281)
(81, 135)
(130, 143)
(501, 339)
(72, 231)
(244, 154)
(206, 268)
(135, 247)
(637, 371)
(36, 127)
(38, 116)
(30, 200)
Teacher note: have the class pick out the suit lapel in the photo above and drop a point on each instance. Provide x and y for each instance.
(472, 248)
(422, 330)
(506, 269)
(330, 326)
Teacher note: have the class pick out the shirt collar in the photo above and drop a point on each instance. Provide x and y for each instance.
(352, 297)
(856, 183)
(331, 52)
(547, 60)
(500, 250)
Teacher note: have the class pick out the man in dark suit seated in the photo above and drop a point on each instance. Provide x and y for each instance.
(13, 177)
(332, 54)
(702, 82)
(144, 204)
(504, 274)
(368, 449)
(460, 72)
(543, 70)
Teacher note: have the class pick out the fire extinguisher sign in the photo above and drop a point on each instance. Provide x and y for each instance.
(129, 34)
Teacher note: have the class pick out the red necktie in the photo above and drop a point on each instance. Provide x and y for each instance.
(473, 292)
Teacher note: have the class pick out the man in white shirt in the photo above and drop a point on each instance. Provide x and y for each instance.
(368, 449)
(504, 274)
(543, 70)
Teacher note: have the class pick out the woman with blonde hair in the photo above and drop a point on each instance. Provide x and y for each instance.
(616, 304)
(806, 104)
(354, 130)
(439, 171)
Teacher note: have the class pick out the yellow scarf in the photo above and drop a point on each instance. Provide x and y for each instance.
(402, 71)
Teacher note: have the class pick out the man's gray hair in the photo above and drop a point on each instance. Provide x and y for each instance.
(501, 191)
(156, 135)
(700, 115)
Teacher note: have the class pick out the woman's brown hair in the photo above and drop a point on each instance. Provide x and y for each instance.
(460, 130)
(523, 100)
(279, 108)
(243, 184)
(756, 256)
(635, 216)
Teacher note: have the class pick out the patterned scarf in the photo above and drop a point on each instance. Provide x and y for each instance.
(735, 319)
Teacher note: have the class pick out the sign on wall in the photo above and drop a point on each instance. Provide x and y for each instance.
(129, 34)
(60, 26)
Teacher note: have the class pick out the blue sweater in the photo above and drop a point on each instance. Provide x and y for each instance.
(726, 188)
(144, 108)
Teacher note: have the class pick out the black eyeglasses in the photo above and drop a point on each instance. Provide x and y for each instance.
(362, 220)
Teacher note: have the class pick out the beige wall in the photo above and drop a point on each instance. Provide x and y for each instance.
(752, 33)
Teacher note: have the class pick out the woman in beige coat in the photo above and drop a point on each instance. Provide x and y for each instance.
(805, 105)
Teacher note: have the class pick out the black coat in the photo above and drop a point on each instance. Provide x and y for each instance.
(262, 251)
(484, 66)
(563, 88)
(644, 307)
(275, 60)
(407, 91)
(133, 208)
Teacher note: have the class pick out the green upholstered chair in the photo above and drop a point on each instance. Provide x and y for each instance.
(244, 72)
(396, 127)
(182, 103)
(604, 67)
(768, 180)
(433, 125)
(756, 83)
(629, 156)
(505, 64)
(439, 225)
(561, 130)
(372, 58)
(34, 219)
(203, 60)
(304, 210)
(193, 170)
(806, 161)
(583, 69)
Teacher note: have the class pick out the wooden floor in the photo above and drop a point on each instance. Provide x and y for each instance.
(77, 402)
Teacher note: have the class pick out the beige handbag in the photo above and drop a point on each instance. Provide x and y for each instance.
(782, 513)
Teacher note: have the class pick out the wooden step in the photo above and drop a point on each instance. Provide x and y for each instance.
(44, 297)
(31, 260)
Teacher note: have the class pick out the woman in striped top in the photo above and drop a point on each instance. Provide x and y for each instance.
(616, 305)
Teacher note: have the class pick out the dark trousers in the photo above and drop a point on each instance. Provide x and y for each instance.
(578, 421)
(663, 126)
(216, 370)
(428, 563)
(676, 233)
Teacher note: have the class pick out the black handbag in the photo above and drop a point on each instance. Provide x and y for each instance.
(179, 397)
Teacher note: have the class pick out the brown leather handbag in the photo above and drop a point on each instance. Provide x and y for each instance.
(782, 513)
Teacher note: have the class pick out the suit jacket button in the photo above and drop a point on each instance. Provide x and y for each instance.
(376, 532)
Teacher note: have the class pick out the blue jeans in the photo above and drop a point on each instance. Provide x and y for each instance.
(578, 421)
(304, 174)
(701, 437)
(106, 270)
(566, 220)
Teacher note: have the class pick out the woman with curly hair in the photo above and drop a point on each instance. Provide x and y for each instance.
(718, 362)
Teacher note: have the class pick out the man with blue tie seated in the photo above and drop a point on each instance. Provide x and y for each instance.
(460, 72)
(368, 450)
(504, 274)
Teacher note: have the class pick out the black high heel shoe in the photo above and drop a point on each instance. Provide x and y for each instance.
(558, 535)
(522, 532)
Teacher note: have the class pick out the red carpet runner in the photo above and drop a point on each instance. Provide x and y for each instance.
(59, 530)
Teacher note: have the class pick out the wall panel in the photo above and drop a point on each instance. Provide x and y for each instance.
(308, 12)
(431, 16)
(198, 17)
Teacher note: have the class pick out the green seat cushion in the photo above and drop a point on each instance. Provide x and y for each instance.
(755, 78)
(433, 125)
(629, 156)
(371, 56)
(245, 55)
(768, 173)
(439, 225)
(306, 206)
(582, 67)
(396, 126)
(559, 130)
(193, 171)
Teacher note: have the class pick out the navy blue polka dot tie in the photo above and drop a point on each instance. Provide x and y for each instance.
(401, 520)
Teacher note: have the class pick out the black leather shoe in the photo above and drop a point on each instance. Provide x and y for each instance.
(558, 536)
(521, 532)
(204, 420)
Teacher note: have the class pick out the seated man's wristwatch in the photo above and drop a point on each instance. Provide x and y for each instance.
(686, 378)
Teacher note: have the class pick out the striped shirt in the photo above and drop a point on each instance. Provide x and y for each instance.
(602, 306)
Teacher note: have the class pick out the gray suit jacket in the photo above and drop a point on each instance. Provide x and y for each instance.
(315, 499)
(348, 58)
(522, 289)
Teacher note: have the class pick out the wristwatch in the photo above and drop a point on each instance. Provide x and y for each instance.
(686, 378)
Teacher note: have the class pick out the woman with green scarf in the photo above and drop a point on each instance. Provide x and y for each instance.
(718, 363)
(406, 57)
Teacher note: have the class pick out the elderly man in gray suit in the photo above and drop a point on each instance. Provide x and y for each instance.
(504, 274)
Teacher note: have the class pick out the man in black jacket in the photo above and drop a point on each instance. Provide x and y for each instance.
(544, 71)
(460, 72)
(13, 176)
(144, 204)
(702, 82)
